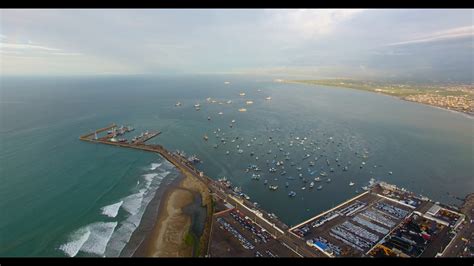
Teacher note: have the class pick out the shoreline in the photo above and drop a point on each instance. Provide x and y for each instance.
(166, 228)
(149, 218)
(465, 114)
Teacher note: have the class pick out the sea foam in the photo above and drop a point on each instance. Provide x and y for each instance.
(112, 210)
(92, 238)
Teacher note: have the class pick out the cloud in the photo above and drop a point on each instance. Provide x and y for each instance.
(21, 46)
(311, 22)
(454, 33)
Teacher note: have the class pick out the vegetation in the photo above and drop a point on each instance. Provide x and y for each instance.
(458, 97)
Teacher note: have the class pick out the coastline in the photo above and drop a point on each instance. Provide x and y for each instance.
(166, 230)
(465, 114)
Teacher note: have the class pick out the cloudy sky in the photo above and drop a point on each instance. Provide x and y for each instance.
(431, 44)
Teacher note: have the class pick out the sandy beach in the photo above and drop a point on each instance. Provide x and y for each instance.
(166, 239)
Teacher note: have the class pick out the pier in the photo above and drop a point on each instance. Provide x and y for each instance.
(387, 204)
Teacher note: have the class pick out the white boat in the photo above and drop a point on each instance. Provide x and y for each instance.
(351, 184)
(329, 180)
(249, 102)
(273, 187)
(303, 188)
(242, 110)
(233, 121)
(311, 185)
(242, 94)
(320, 187)
(226, 82)
(220, 113)
(197, 105)
(178, 104)
(206, 137)
(317, 179)
(268, 98)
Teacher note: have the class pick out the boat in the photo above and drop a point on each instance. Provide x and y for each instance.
(193, 159)
(268, 98)
(317, 179)
(242, 94)
(227, 82)
(242, 110)
(303, 188)
(311, 185)
(390, 173)
(291, 194)
(229, 102)
(273, 187)
(286, 184)
(329, 180)
(178, 104)
(209, 118)
(227, 152)
(220, 113)
(206, 137)
(255, 176)
(249, 102)
(197, 105)
(265, 182)
(351, 184)
(323, 174)
(319, 187)
(233, 121)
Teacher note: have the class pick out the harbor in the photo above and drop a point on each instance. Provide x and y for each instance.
(384, 220)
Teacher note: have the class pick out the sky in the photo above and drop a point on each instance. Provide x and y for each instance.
(428, 44)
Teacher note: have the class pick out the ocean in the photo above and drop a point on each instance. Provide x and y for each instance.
(63, 197)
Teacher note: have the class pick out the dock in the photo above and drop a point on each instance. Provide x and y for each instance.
(365, 225)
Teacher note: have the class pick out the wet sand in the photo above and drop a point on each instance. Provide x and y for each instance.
(172, 223)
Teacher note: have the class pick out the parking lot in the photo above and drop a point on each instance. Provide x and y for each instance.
(235, 235)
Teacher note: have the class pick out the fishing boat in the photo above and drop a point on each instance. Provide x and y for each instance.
(273, 187)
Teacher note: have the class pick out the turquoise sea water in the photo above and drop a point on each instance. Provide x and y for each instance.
(63, 197)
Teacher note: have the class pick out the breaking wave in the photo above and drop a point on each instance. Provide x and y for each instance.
(91, 239)
(112, 210)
